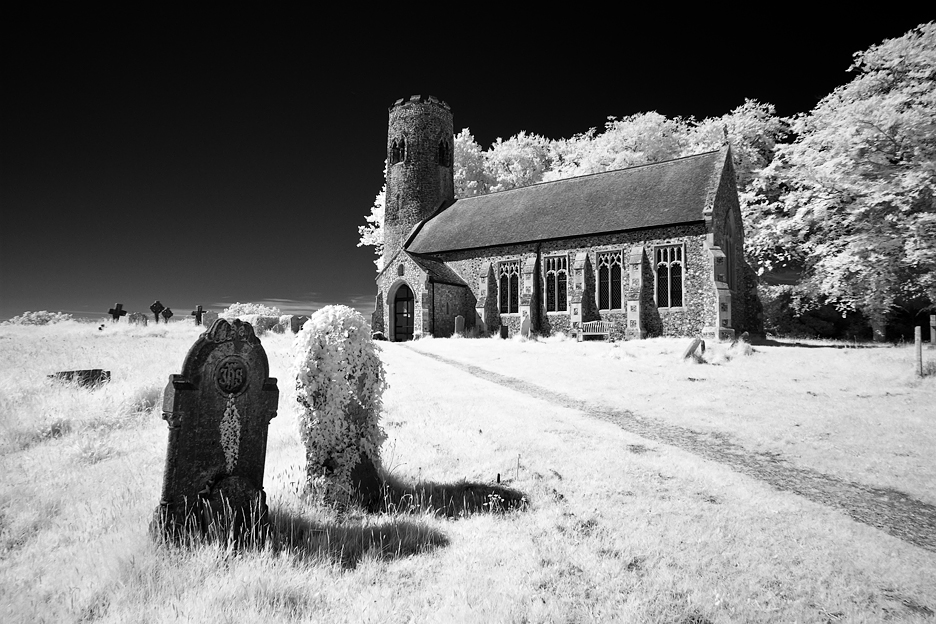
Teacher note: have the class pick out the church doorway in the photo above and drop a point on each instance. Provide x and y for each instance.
(403, 314)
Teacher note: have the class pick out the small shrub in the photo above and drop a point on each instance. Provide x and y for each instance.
(339, 384)
(39, 318)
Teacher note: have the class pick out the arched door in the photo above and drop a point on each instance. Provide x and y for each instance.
(403, 314)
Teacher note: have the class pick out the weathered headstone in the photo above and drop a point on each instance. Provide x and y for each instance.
(137, 318)
(459, 324)
(117, 311)
(209, 318)
(504, 332)
(198, 313)
(296, 322)
(525, 327)
(156, 308)
(691, 349)
(89, 378)
(166, 314)
(218, 411)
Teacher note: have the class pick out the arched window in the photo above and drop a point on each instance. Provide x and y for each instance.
(508, 286)
(557, 270)
(669, 262)
(445, 154)
(398, 150)
(610, 265)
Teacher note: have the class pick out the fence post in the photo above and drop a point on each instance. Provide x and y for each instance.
(918, 340)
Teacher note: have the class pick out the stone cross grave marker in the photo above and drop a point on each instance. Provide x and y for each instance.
(218, 411)
(156, 308)
(459, 324)
(198, 313)
(117, 311)
(166, 314)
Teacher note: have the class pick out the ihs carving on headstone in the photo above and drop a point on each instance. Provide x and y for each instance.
(198, 313)
(117, 311)
(218, 411)
(156, 308)
(166, 314)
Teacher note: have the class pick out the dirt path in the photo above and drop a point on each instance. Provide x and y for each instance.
(894, 512)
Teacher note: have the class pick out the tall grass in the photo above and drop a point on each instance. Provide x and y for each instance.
(605, 527)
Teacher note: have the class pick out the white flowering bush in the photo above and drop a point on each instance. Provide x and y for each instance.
(339, 384)
(38, 318)
(238, 310)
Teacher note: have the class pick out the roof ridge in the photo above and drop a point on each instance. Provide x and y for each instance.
(591, 175)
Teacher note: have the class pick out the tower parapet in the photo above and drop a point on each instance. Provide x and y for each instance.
(420, 153)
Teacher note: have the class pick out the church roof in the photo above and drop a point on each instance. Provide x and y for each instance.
(658, 194)
(438, 271)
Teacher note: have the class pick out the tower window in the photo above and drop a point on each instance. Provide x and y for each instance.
(669, 262)
(398, 150)
(557, 270)
(610, 265)
(445, 154)
(508, 286)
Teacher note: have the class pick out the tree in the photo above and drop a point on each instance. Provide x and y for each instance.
(519, 161)
(854, 201)
(471, 177)
(373, 232)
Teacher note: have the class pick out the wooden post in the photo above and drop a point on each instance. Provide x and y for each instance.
(918, 339)
(932, 331)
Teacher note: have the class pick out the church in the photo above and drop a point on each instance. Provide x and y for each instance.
(653, 250)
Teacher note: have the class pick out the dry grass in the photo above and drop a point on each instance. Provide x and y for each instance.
(615, 528)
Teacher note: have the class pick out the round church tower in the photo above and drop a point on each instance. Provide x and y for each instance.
(420, 151)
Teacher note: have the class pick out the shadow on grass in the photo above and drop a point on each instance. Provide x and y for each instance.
(398, 526)
(449, 500)
(347, 542)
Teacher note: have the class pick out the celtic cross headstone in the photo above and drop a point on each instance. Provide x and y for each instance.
(218, 411)
(117, 311)
(156, 308)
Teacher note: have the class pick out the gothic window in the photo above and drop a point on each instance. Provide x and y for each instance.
(508, 286)
(445, 154)
(610, 270)
(398, 150)
(669, 262)
(557, 271)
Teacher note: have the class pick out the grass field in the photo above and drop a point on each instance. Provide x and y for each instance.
(617, 528)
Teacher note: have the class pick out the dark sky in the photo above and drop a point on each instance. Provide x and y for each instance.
(197, 159)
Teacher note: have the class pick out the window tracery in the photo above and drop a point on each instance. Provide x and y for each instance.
(610, 271)
(508, 286)
(556, 272)
(669, 261)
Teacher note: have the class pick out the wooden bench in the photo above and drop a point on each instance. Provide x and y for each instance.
(595, 328)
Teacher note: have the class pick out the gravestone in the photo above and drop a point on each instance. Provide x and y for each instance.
(89, 378)
(198, 313)
(459, 324)
(218, 411)
(156, 308)
(209, 318)
(296, 322)
(504, 332)
(696, 343)
(117, 311)
(525, 327)
(166, 314)
(137, 318)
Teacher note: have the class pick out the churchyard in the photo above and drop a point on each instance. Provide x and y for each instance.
(668, 526)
